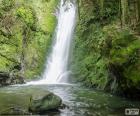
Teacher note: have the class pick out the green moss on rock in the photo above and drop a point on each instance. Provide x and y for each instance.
(33, 21)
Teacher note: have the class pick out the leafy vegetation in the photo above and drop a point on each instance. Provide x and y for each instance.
(25, 35)
(106, 53)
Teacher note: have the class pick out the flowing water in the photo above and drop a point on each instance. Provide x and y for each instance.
(56, 67)
(80, 101)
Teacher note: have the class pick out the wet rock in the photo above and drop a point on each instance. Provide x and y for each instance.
(7, 78)
(63, 106)
(44, 103)
(3, 78)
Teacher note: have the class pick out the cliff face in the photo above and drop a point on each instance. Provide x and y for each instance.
(107, 54)
(26, 29)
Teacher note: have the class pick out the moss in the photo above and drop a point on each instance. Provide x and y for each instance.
(39, 23)
(26, 15)
(124, 53)
(105, 55)
(7, 5)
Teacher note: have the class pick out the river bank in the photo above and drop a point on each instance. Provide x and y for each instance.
(106, 53)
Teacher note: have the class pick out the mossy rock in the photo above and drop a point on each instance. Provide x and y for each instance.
(45, 103)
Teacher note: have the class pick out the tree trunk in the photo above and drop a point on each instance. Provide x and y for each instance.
(124, 7)
(101, 6)
(120, 13)
(79, 4)
(138, 6)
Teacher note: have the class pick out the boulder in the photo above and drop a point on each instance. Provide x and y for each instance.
(44, 103)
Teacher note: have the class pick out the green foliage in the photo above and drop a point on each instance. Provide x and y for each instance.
(50, 18)
(21, 19)
(124, 52)
(104, 54)
(88, 64)
(7, 4)
(36, 53)
(26, 14)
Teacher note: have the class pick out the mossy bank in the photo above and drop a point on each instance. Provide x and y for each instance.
(106, 52)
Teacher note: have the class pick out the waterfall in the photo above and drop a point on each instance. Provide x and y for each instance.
(56, 67)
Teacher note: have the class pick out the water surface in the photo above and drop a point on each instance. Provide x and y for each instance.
(80, 101)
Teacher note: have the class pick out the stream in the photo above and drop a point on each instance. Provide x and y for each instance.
(80, 101)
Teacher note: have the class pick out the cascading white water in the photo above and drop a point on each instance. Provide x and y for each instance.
(56, 66)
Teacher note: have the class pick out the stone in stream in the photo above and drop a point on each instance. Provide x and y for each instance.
(44, 103)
